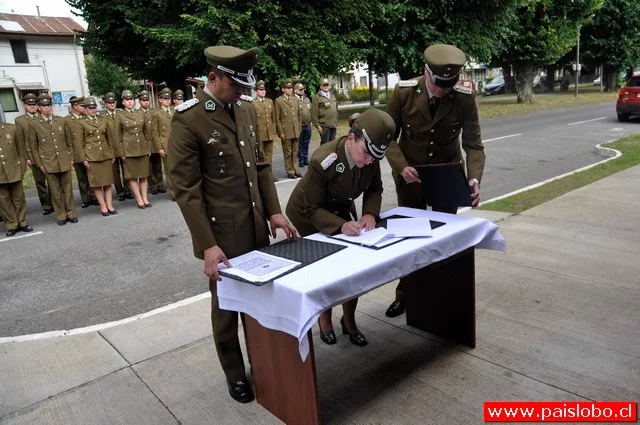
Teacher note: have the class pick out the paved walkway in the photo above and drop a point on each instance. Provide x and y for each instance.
(557, 319)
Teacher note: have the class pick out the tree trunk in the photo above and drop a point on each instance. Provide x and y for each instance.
(524, 82)
(551, 77)
(371, 98)
(610, 75)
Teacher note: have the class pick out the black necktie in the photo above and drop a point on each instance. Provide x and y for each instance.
(229, 109)
(434, 102)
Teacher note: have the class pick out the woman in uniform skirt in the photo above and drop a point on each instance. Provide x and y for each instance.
(323, 200)
(133, 148)
(96, 141)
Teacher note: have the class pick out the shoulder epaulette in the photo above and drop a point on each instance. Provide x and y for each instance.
(187, 104)
(330, 159)
(246, 98)
(462, 89)
(408, 83)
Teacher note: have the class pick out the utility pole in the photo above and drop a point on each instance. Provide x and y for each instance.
(577, 63)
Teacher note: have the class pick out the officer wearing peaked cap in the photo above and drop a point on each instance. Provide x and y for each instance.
(71, 130)
(224, 189)
(177, 97)
(161, 130)
(323, 201)
(287, 116)
(156, 180)
(123, 189)
(433, 114)
(266, 121)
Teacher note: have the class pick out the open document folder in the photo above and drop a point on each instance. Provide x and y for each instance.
(397, 230)
(257, 266)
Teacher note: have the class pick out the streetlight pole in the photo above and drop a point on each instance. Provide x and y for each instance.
(577, 63)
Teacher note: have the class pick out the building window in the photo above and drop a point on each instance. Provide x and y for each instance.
(363, 81)
(8, 100)
(19, 48)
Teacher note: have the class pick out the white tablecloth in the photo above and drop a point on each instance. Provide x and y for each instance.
(293, 303)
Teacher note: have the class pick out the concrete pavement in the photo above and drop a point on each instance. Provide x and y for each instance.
(557, 319)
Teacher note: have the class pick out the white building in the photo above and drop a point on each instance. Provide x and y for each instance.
(358, 75)
(40, 54)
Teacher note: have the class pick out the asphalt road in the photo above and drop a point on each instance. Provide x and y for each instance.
(109, 268)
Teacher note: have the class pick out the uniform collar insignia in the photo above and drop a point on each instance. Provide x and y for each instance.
(210, 105)
(340, 167)
(239, 103)
(419, 91)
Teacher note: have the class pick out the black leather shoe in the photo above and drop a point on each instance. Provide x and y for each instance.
(25, 229)
(395, 309)
(94, 202)
(162, 190)
(328, 337)
(356, 339)
(154, 191)
(105, 213)
(113, 212)
(129, 196)
(62, 222)
(306, 163)
(298, 175)
(141, 206)
(85, 205)
(46, 212)
(73, 220)
(241, 391)
(300, 164)
(173, 199)
(291, 176)
(147, 205)
(275, 179)
(11, 232)
(121, 198)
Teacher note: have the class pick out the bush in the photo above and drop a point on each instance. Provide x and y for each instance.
(359, 94)
(341, 97)
(382, 97)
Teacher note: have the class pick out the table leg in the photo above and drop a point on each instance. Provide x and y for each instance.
(285, 385)
(440, 298)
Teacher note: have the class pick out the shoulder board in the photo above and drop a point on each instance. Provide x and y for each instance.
(246, 98)
(330, 159)
(462, 89)
(187, 104)
(408, 83)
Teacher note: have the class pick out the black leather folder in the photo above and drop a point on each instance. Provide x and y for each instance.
(445, 185)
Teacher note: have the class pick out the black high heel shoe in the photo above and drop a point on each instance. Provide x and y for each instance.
(105, 214)
(357, 338)
(328, 337)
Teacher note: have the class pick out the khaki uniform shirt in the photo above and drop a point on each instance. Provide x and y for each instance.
(266, 119)
(161, 128)
(96, 139)
(22, 125)
(305, 111)
(324, 112)
(434, 140)
(13, 155)
(287, 116)
(225, 194)
(71, 130)
(48, 140)
(148, 132)
(129, 134)
(324, 199)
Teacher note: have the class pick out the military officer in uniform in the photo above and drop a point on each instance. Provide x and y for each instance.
(324, 113)
(96, 140)
(266, 122)
(432, 112)
(71, 128)
(109, 114)
(156, 182)
(54, 155)
(305, 125)
(132, 146)
(287, 116)
(22, 124)
(13, 159)
(323, 201)
(177, 97)
(225, 192)
(161, 130)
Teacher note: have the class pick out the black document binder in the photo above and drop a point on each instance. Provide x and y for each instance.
(445, 185)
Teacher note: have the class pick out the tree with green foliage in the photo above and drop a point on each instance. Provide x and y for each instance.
(103, 77)
(612, 39)
(541, 32)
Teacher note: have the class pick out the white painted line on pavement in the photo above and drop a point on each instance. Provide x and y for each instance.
(96, 328)
(582, 122)
(502, 137)
(13, 238)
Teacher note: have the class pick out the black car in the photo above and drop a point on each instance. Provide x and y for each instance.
(495, 86)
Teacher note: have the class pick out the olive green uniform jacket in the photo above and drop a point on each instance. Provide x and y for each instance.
(161, 128)
(111, 120)
(305, 111)
(148, 132)
(130, 130)
(13, 156)
(324, 112)
(22, 126)
(53, 150)
(71, 130)
(323, 200)
(266, 119)
(225, 193)
(434, 140)
(287, 116)
(96, 140)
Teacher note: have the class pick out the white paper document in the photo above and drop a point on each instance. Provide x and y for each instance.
(409, 227)
(377, 237)
(257, 266)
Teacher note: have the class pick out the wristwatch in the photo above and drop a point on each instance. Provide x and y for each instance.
(475, 180)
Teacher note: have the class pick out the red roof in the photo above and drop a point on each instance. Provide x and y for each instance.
(38, 25)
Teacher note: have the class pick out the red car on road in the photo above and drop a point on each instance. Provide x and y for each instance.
(629, 99)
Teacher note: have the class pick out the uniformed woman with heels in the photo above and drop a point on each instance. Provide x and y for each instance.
(323, 201)
(96, 142)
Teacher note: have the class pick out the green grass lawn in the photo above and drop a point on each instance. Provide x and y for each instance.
(630, 148)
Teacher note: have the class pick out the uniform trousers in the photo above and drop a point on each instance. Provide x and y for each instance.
(225, 337)
(410, 195)
(41, 187)
(166, 168)
(62, 195)
(305, 138)
(121, 186)
(13, 207)
(328, 135)
(267, 149)
(86, 194)
(155, 178)
(290, 152)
